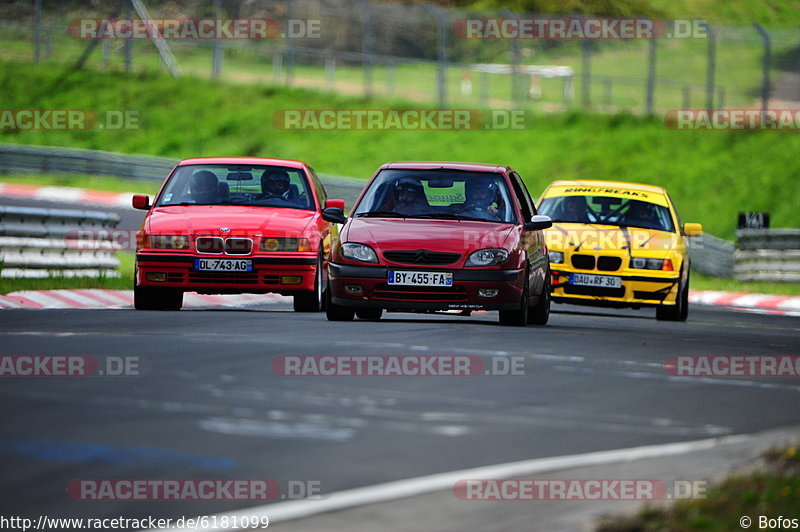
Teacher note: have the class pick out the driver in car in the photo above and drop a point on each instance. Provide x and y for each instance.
(204, 187)
(481, 196)
(276, 184)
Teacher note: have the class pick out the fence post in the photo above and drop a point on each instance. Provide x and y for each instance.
(216, 66)
(651, 76)
(441, 53)
(366, 45)
(515, 64)
(767, 66)
(37, 30)
(712, 65)
(586, 75)
(608, 92)
(289, 44)
(390, 78)
(687, 97)
(484, 89)
(128, 42)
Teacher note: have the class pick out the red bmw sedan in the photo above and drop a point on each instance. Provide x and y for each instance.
(430, 236)
(234, 225)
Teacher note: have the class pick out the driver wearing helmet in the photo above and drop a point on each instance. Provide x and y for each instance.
(204, 187)
(276, 184)
(481, 196)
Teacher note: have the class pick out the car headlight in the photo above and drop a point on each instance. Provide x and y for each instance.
(487, 257)
(359, 252)
(641, 263)
(557, 257)
(285, 244)
(169, 241)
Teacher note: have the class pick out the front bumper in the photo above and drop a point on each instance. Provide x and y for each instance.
(269, 273)
(463, 295)
(650, 288)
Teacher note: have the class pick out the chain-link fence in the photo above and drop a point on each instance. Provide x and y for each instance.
(420, 52)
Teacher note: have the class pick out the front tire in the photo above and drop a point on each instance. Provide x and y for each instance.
(539, 314)
(336, 312)
(518, 317)
(680, 310)
(311, 301)
(154, 298)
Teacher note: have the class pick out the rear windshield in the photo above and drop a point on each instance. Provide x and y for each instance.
(256, 186)
(438, 194)
(607, 210)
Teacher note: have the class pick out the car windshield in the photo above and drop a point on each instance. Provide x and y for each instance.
(438, 194)
(607, 210)
(253, 185)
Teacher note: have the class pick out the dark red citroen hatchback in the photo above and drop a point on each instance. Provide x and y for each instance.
(433, 236)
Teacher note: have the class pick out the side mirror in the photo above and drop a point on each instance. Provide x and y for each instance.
(693, 229)
(538, 222)
(334, 215)
(141, 202)
(334, 204)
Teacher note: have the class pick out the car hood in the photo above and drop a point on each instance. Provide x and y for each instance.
(208, 219)
(449, 236)
(589, 237)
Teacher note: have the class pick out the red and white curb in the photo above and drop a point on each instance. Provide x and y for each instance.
(103, 299)
(80, 196)
(763, 303)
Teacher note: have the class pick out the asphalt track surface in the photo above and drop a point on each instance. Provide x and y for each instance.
(208, 405)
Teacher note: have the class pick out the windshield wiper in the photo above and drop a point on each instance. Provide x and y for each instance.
(386, 214)
(448, 216)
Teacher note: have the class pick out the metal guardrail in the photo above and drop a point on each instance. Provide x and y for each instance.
(767, 255)
(711, 255)
(20, 158)
(38, 243)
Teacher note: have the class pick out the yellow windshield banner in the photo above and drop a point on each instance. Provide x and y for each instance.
(609, 190)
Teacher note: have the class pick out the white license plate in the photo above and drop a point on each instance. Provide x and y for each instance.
(420, 278)
(223, 265)
(605, 281)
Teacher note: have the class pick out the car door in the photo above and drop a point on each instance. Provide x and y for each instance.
(533, 241)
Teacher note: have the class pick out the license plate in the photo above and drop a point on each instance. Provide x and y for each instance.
(223, 265)
(604, 281)
(420, 278)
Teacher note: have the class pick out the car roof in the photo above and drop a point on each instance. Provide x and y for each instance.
(654, 189)
(445, 165)
(244, 160)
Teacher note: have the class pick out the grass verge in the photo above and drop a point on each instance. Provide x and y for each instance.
(706, 282)
(771, 491)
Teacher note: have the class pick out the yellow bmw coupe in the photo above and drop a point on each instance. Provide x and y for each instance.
(617, 244)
